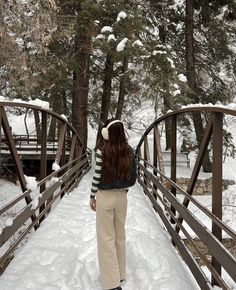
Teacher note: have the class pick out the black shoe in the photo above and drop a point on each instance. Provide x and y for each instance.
(117, 288)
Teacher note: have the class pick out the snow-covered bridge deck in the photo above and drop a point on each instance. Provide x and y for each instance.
(62, 255)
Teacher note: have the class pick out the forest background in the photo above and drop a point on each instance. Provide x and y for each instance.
(92, 60)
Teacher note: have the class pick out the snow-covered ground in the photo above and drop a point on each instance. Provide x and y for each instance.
(62, 255)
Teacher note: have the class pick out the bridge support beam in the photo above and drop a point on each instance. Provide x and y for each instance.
(197, 166)
(16, 159)
(173, 158)
(43, 161)
(0, 132)
(217, 183)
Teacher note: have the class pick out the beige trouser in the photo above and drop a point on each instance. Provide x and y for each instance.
(110, 222)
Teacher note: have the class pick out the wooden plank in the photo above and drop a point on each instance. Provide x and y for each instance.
(72, 147)
(154, 153)
(146, 149)
(0, 132)
(157, 138)
(173, 159)
(16, 158)
(198, 163)
(190, 261)
(60, 146)
(61, 143)
(173, 151)
(43, 160)
(49, 191)
(14, 154)
(203, 257)
(217, 182)
(228, 261)
(25, 214)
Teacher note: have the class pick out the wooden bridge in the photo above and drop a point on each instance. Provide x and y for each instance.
(161, 188)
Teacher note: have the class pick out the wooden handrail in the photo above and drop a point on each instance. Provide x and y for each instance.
(70, 171)
(154, 182)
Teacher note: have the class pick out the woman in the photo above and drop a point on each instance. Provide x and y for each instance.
(115, 171)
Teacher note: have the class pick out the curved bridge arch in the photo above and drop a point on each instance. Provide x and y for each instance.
(71, 162)
(161, 190)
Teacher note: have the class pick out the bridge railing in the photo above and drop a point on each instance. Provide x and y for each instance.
(171, 201)
(71, 161)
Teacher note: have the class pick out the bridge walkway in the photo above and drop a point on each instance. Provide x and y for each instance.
(61, 254)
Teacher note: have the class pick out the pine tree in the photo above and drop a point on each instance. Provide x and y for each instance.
(24, 45)
(114, 49)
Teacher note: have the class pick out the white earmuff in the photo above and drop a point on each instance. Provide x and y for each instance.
(105, 133)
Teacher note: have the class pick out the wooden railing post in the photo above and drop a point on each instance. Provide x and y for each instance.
(43, 160)
(197, 166)
(217, 183)
(146, 155)
(0, 131)
(0, 137)
(173, 158)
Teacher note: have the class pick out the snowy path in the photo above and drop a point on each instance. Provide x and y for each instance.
(61, 255)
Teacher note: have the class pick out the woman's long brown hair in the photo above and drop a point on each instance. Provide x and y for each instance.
(116, 155)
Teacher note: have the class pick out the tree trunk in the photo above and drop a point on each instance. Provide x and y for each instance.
(106, 93)
(123, 88)
(159, 151)
(166, 98)
(1, 19)
(1, 31)
(37, 126)
(82, 51)
(191, 78)
(64, 104)
(56, 107)
(167, 123)
(205, 11)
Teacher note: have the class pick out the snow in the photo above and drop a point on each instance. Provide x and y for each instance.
(111, 37)
(182, 78)
(155, 52)
(137, 43)
(121, 45)
(36, 102)
(64, 117)
(35, 201)
(61, 254)
(106, 29)
(121, 15)
(23, 1)
(176, 92)
(100, 36)
(8, 222)
(177, 4)
(40, 103)
(171, 62)
(55, 166)
(19, 41)
(231, 106)
(31, 183)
